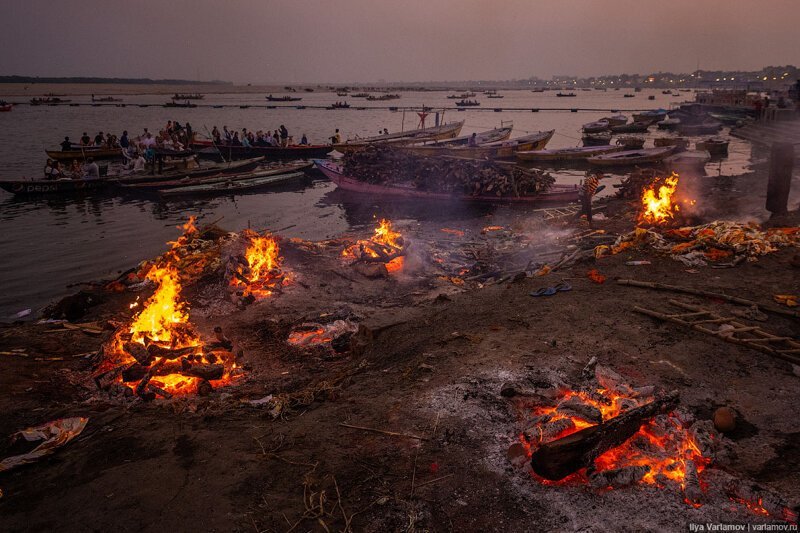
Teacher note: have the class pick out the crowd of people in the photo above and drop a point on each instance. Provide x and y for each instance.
(260, 138)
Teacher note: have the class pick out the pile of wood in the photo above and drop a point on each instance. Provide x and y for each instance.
(384, 165)
(632, 186)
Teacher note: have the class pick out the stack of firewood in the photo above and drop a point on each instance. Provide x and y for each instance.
(388, 166)
(632, 186)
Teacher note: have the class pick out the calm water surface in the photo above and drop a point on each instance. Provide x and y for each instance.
(46, 244)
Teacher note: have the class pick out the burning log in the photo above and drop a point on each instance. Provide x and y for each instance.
(138, 352)
(544, 430)
(575, 407)
(169, 353)
(133, 373)
(557, 459)
(691, 489)
(204, 388)
(207, 372)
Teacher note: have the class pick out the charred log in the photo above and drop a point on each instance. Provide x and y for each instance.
(557, 459)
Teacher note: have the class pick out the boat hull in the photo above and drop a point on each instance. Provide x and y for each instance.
(80, 155)
(435, 133)
(230, 186)
(559, 193)
(650, 156)
(206, 150)
(53, 187)
(567, 155)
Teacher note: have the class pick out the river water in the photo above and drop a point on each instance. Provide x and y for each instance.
(49, 244)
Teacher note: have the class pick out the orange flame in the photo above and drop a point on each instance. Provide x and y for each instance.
(658, 206)
(163, 322)
(386, 241)
(263, 273)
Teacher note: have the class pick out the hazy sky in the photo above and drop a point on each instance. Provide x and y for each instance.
(264, 41)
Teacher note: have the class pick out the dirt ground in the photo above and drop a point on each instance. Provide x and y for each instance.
(429, 374)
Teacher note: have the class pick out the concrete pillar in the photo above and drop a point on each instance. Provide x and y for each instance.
(780, 178)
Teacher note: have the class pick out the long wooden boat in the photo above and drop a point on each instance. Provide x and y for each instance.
(217, 178)
(231, 167)
(467, 103)
(494, 150)
(646, 156)
(654, 115)
(230, 186)
(596, 139)
(567, 155)
(61, 186)
(271, 98)
(433, 133)
(106, 99)
(49, 100)
(633, 127)
(178, 104)
(565, 95)
(189, 96)
(704, 128)
(206, 150)
(483, 137)
(80, 155)
(616, 120)
(557, 193)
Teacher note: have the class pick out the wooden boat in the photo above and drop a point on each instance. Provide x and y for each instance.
(342, 93)
(715, 147)
(537, 90)
(80, 155)
(462, 96)
(651, 97)
(62, 186)
(231, 186)
(5, 106)
(616, 120)
(384, 97)
(206, 150)
(231, 167)
(179, 104)
(484, 137)
(217, 178)
(558, 193)
(49, 100)
(669, 124)
(633, 127)
(628, 95)
(596, 127)
(338, 105)
(678, 142)
(493, 150)
(565, 95)
(433, 133)
(359, 95)
(650, 116)
(467, 103)
(647, 156)
(630, 142)
(496, 96)
(688, 161)
(703, 128)
(566, 155)
(286, 98)
(106, 99)
(188, 96)
(596, 139)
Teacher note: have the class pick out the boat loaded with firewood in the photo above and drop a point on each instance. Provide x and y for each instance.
(648, 156)
(492, 150)
(555, 193)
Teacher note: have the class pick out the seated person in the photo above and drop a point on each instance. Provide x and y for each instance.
(304, 140)
(66, 146)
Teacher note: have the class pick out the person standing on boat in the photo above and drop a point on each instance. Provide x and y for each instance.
(66, 146)
(48, 170)
(227, 135)
(473, 140)
(85, 140)
(337, 137)
(92, 170)
(587, 189)
(99, 139)
(284, 136)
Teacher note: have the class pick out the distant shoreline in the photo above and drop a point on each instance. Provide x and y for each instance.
(105, 81)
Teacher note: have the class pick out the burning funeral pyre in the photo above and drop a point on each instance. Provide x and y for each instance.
(381, 255)
(158, 352)
(257, 272)
(607, 434)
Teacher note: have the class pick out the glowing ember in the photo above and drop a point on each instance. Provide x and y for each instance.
(260, 274)
(658, 206)
(159, 353)
(312, 334)
(663, 449)
(386, 246)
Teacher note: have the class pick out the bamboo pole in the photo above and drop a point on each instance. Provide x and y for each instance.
(701, 292)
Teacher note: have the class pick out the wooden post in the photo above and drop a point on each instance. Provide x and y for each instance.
(780, 178)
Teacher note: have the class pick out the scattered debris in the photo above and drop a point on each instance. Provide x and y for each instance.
(54, 435)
